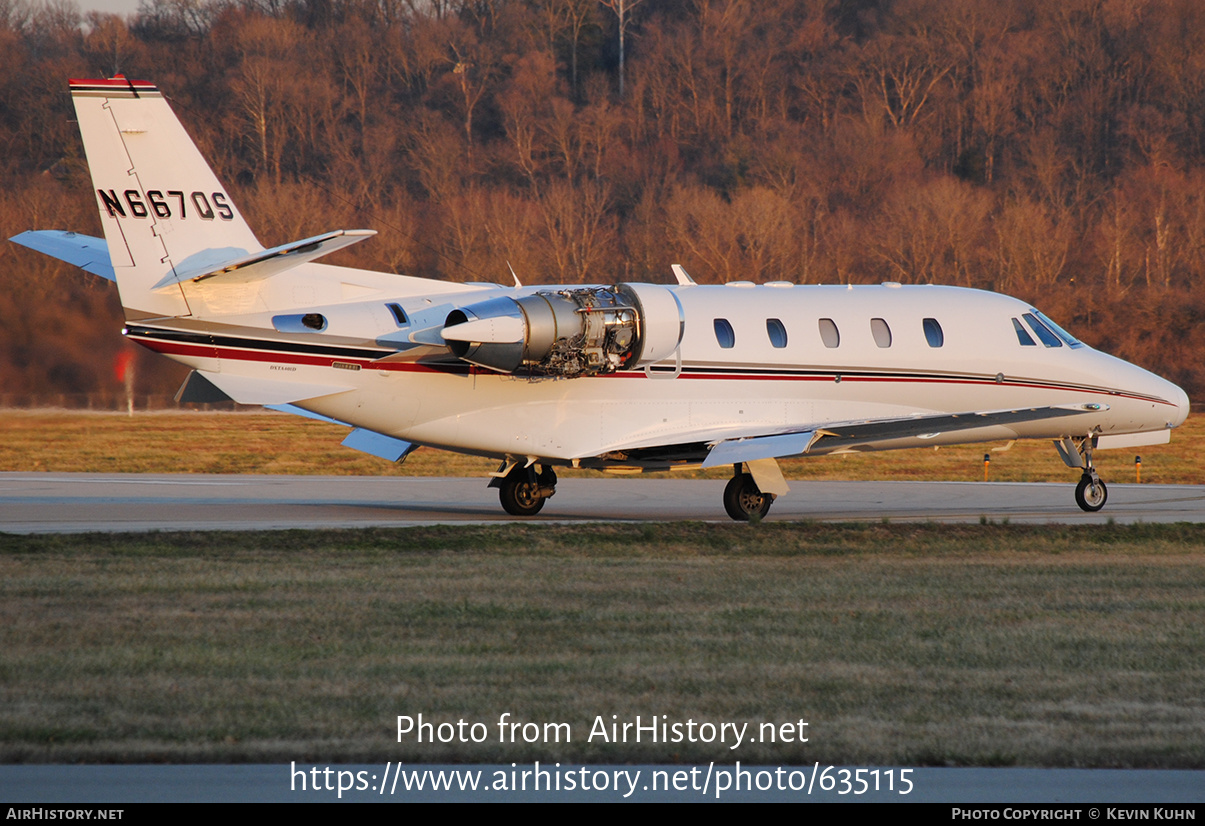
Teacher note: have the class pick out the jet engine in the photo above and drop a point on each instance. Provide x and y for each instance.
(583, 331)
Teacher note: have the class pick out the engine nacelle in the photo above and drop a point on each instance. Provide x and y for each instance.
(582, 331)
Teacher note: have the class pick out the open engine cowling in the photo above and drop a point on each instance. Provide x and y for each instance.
(582, 331)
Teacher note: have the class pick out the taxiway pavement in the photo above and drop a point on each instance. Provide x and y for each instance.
(79, 502)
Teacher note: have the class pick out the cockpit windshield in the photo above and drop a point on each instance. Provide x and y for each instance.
(1067, 338)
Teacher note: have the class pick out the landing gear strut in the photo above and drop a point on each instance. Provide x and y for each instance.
(743, 499)
(523, 490)
(1091, 493)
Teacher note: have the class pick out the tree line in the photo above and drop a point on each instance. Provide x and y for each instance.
(1052, 151)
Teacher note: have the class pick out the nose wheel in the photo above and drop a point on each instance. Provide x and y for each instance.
(1091, 493)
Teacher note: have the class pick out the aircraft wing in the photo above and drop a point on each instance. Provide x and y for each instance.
(802, 440)
(88, 253)
(390, 448)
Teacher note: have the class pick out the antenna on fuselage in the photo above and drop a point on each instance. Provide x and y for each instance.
(682, 275)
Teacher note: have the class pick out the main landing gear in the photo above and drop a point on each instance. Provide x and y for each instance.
(743, 499)
(524, 490)
(1091, 492)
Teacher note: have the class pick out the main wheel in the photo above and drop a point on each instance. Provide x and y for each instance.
(520, 495)
(743, 498)
(1091, 493)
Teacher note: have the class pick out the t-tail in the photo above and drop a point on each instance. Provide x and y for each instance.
(166, 217)
(175, 239)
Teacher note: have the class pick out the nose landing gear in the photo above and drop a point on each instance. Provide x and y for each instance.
(1091, 492)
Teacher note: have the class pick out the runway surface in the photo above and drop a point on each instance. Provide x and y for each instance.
(78, 502)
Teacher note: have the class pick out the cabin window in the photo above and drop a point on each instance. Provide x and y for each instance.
(933, 333)
(399, 315)
(724, 334)
(1070, 340)
(1042, 331)
(829, 333)
(777, 332)
(881, 332)
(1025, 338)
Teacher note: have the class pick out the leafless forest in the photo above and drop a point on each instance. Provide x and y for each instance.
(1051, 150)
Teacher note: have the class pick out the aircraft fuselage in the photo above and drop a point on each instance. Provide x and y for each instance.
(795, 354)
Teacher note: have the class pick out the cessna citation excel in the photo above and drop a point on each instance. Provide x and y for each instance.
(629, 377)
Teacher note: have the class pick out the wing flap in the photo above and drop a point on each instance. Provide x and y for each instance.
(734, 451)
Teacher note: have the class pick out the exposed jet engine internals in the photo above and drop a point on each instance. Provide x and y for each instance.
(586, 331)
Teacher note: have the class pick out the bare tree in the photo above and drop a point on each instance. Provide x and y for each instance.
(579, 229)
(623, 15)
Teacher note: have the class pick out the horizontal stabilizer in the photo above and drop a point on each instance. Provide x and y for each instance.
(794, 443)
(88, 253)
(260, 265)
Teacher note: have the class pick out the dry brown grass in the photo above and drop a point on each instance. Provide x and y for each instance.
(267, 442)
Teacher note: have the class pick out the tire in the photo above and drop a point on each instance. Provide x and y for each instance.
(1091, 494)
(520, 495)
(744, 500)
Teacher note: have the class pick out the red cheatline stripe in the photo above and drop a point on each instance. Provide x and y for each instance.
(204, 351)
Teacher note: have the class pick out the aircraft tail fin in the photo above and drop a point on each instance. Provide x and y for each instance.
(164, 212)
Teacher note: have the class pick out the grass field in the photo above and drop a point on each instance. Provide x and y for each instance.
(898, 644)
(267, 442)
(911, 645)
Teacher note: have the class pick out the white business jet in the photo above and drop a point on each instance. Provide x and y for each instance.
(627, 378)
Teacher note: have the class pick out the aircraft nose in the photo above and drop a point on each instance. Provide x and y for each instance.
(1180, 398)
